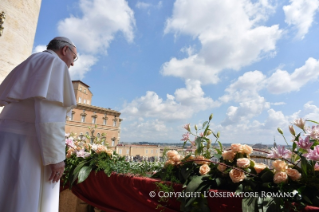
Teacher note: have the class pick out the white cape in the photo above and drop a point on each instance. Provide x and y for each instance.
(43, 75)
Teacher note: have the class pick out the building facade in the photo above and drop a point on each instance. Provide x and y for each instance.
(85, 117)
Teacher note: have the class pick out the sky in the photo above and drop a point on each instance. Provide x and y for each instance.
(163, 64)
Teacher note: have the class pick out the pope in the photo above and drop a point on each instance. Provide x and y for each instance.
(36, 96)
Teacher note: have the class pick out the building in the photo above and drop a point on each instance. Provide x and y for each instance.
(104, 121)
(141, 150)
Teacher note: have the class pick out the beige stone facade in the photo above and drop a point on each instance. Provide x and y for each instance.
(17, 39)
(85, 115)
(141, 150)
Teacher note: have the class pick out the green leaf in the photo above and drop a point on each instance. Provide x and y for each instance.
(84, 173)
(204, 124)
(312, 121)
(267, 176)
(77, 170)
(220, 146)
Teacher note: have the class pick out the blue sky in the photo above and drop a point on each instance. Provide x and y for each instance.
(163, 64)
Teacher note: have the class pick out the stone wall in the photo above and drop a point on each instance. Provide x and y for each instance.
(20, 25)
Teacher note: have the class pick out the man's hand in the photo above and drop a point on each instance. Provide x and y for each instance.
(56, 171)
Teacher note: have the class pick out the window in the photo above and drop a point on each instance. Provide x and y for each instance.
(82, 118)
(79, 99)
(146, 151)
(93, 120)
(127, 151)
(84, 101)
(84, 90)
(88, 102)
(120, 151)
(156, 151)
(113, 143)
(98, 135)
(151, 151)
(104, 121)
(114, 123)
(80, 88)
(71, 116)
(87, 133)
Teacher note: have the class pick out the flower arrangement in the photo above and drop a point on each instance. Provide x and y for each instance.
(294, 171)
(87, 153)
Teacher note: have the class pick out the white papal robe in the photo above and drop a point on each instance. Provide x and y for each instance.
(37, 95)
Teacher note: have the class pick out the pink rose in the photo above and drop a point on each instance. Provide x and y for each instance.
(293, 174)
(236, 147)
(246, 149)
(228, 155)
(280, 165)
(259, 167)
(221, 167)
(200, 158)
(204, 169)
(243, 162)
(171, 153)
(280, 177)
(236, 175)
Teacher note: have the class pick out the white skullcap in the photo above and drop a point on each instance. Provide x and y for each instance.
(64, 39)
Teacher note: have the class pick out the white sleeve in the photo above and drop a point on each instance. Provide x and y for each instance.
(50, 126)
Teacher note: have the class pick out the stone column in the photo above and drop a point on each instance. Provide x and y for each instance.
(17, 39)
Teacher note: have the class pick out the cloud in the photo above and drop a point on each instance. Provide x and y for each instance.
(142, 5)
(39, 48)
(300, 14)
(182, 106)
(101, 20)
(245, 111)
(283, 82)
(239, 38)
(245, 88)
(82, 66)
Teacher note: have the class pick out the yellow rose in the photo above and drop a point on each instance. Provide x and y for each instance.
(221, 167)
(243, 162)
(100, 148)
(246, 149)
(259, 167)
(171, 153)
(200, 158)
(69, 153)
(236, 175)
(294, 174)
(280, 177)
(176, 158)
(228, 155)
(280, 165)
(204, 169)
(236, 147)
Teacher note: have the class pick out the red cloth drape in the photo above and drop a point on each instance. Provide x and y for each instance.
(130, 194)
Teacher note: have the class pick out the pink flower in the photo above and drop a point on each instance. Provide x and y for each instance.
(204, 169)
(185, 137)
(316, 167)
(279, 152)
(82, 154)
(313, 132)
(228, 155)
(187, 127)
(70, 143)
(313, 154)
(300, 123)
(304, 143)
(201, 134)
